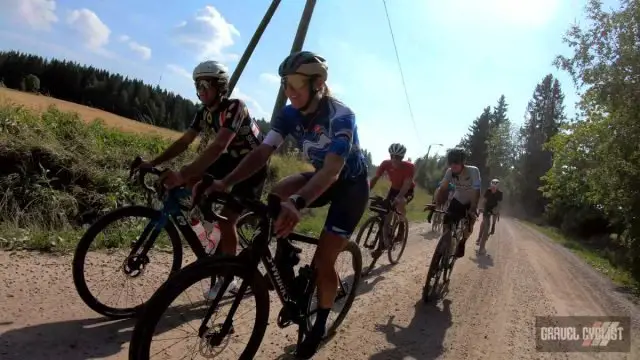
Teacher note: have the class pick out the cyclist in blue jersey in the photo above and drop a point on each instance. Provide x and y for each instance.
(325, 131)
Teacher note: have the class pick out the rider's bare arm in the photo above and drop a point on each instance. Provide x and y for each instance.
(177, 148)
(379, 172)
(323, 178)
(198, 166)
(444, 188)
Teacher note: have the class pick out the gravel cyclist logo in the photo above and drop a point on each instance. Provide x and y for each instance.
(583, 334)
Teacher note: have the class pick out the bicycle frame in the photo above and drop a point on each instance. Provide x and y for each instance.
(259, 252)
(172, 211)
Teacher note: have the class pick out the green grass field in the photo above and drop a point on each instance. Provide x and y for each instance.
(57, 167)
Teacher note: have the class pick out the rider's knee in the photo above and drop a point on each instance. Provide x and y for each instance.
(329, 247)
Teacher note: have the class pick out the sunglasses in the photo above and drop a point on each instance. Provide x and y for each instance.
(202, 84)
(396, 157)
(294, 81)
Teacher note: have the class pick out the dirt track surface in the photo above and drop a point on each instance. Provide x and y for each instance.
(487, 314)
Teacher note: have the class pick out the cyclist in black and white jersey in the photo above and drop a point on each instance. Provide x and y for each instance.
(466, 179)
(227, 134)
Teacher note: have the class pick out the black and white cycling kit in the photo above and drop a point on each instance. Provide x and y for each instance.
(232, 114)
(467, 183)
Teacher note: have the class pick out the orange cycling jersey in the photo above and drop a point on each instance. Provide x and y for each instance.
(397, 175)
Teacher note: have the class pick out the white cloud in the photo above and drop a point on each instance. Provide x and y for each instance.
(179, 70)
(89, 26)
(257, 111)
(270, 78)
(208, 35)
(37, 14)
(143, 51)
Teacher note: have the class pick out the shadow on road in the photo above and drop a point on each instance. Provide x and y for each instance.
(70, 340)
(430, 235)
(483, 261)
(422, 338)
(86, 338)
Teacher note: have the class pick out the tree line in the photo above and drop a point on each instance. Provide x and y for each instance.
(117, 94)
(581, 175)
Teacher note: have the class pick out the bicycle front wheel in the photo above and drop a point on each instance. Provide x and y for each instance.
(437, 267)
(399, 242)
(123, 233)
(208, 337)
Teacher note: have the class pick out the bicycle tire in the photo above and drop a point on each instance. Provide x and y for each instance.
(87, 239)
(404, 243)
(356, 255)
(185, 278)
(377, 239)
(434, 266)
(369, 224)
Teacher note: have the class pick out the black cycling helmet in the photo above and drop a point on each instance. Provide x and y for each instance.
(456, 156)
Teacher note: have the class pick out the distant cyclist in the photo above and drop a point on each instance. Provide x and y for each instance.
(492, 199)
(228, 134)
(400, 174)
(466, 179)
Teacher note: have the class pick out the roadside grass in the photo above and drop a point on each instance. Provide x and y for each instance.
(59, 172)
(597, 258)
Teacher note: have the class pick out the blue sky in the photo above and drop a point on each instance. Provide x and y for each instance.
(458, 56)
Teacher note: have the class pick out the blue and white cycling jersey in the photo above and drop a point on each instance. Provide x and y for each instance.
(331, 129)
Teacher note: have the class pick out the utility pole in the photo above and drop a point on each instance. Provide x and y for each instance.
(252, 44)
(298, 42)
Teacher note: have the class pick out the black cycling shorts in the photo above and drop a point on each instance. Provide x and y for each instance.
(348, 198)
(394, 192)
(456, 211)
(250, 188)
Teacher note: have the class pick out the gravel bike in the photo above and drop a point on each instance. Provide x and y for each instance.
(484, 231)
(384, 213)
(160, 228)
(443, 259)
(295, 293)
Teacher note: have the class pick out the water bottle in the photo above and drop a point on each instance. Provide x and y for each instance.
(200, 231)
(212, 238)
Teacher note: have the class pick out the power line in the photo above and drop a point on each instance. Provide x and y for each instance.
(404, 84)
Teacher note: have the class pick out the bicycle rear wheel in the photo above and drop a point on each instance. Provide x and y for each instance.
(133, 266)
(344, 299)
(212, 338)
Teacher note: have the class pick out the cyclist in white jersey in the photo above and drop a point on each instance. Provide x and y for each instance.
(465, 199)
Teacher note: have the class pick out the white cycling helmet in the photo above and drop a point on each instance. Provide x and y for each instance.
(213, 70)
(495, 182)
(397, 150)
